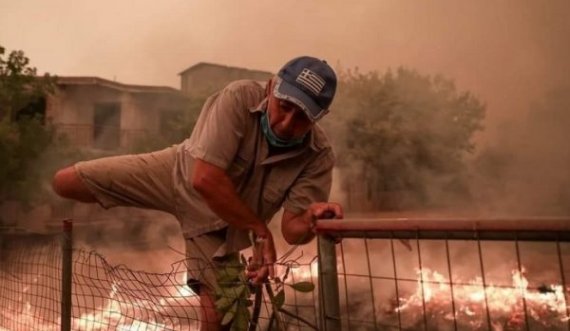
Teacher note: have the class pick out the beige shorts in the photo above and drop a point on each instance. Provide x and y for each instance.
(145, 181)
(140, 180)
(202, 266)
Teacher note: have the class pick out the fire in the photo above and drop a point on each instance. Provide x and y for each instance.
(506, 303)
(304, 273)
(181, 302)
(99, 320)
(110, 314)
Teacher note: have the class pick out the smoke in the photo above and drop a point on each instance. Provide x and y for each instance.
(525, 170)
(508, 53)
(123, 234)
(522, 162)
(514, 58)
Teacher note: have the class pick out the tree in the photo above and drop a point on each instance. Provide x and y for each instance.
(20, 86)
(24, 136)
(404, 132)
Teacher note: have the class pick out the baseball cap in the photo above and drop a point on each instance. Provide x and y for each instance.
(309, 83)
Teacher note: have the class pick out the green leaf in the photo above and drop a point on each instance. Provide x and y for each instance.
(227, 281)
(279, 299)
(233, 292)
(223, 304)
(237, 267)
(241, 320)
(229, 316)
(303, 287)
(243, 278)
(230, 270)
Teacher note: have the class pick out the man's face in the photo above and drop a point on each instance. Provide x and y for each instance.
(286, 119)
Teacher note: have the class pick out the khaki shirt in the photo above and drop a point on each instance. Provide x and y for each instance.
(228, 134)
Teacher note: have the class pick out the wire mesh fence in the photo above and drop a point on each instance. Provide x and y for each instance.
(115, 297)
(384, 275)
(448, 275)
(29, 281)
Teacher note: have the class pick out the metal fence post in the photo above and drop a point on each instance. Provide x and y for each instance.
(66, 275)
(329, 301)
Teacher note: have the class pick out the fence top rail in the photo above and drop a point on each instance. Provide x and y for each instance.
(551, 228)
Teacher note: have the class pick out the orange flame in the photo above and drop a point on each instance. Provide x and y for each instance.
(110, 316)
(471, 299)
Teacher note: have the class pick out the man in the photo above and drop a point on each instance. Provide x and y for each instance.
(253, 150)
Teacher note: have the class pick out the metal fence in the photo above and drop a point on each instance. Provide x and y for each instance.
(444, 274)
(47, 283)
(382, 274)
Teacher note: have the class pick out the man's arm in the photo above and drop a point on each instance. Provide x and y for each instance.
(306, 200)
(297, 229)
(219, 193)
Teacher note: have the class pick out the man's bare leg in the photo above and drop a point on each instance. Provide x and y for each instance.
(67, 184)
(211, 318)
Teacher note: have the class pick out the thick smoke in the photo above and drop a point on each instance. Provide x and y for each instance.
(524, 170)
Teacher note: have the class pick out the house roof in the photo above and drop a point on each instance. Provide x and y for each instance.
(89, 80)
(221, 66)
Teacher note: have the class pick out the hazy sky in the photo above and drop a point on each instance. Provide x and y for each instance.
(506, 52)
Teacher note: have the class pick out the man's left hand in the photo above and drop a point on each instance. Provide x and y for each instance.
(322, 210)
(263, 260)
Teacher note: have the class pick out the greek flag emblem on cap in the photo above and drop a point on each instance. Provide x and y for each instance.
(311, 81)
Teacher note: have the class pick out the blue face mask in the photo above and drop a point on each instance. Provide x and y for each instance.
(272, 138)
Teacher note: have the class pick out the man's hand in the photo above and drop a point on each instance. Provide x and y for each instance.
(324, 210)
(217, 189)
(262, 263)
(299, 229)
(329, 211)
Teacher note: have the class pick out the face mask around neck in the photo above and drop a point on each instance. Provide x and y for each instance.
(272, 138)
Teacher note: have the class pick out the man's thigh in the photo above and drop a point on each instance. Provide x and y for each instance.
(201, 264)
(140, 180)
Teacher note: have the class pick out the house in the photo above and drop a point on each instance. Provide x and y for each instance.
(102, 114)
(111, 117)
(204, 78)
(107, 115)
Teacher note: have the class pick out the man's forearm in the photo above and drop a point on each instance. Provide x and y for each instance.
(298, 231)
(219, 193)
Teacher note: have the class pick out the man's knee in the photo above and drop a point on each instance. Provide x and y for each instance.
(211, 317)
(66, 183)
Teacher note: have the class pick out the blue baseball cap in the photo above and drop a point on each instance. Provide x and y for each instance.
(309, 83)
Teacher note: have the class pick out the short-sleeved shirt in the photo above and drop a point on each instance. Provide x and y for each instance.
(228, 134)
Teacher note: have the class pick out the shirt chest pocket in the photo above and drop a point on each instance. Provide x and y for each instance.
(273, 194)
(272, 199)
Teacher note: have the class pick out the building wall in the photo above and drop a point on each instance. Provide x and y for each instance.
(71, 110)
(206, 79)
(143, 116)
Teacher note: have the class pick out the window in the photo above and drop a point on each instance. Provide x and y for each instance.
(34, 109)
(107, 125)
